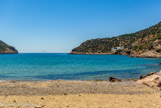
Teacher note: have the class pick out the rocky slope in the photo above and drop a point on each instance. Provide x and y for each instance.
(144, 43)
(6, 49)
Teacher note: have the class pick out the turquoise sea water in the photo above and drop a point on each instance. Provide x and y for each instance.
(73, 67)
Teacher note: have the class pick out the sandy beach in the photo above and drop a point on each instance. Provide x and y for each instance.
(83, 101)
(80, 53)
(77, 94)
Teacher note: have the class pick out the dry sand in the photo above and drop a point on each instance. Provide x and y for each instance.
(83, 101)
(77, 94)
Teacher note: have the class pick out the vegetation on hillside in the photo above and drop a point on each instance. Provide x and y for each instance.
(134, 42)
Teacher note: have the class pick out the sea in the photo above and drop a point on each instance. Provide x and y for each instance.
(63, 66)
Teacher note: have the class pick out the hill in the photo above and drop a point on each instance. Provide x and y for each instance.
(7, 49)
(144, 43)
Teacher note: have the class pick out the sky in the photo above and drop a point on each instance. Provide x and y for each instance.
(58, 26)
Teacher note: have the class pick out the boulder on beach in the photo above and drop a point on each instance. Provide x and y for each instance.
(113, 79)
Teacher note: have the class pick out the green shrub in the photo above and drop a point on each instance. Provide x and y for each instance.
(158, 50)
(157, 37)
(136, 47)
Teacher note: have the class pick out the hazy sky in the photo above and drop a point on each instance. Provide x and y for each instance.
(61, 25)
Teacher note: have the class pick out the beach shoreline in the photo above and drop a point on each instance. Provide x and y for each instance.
(97, 86)
(79, 94)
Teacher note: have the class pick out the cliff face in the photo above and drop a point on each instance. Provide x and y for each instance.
(6, 49)
(145, 43)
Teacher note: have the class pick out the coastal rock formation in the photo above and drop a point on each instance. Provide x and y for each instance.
(152, 79)
(147, 54)
(149, 74)
(7, 49)
(144, 43)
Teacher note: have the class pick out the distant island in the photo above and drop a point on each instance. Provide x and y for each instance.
(144, 43)
(7, 49)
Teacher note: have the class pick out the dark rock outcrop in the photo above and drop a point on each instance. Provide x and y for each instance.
(7, 49)
(113, 79)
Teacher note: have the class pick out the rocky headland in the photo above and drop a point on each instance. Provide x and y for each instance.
(7, 49)
(145, 43)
